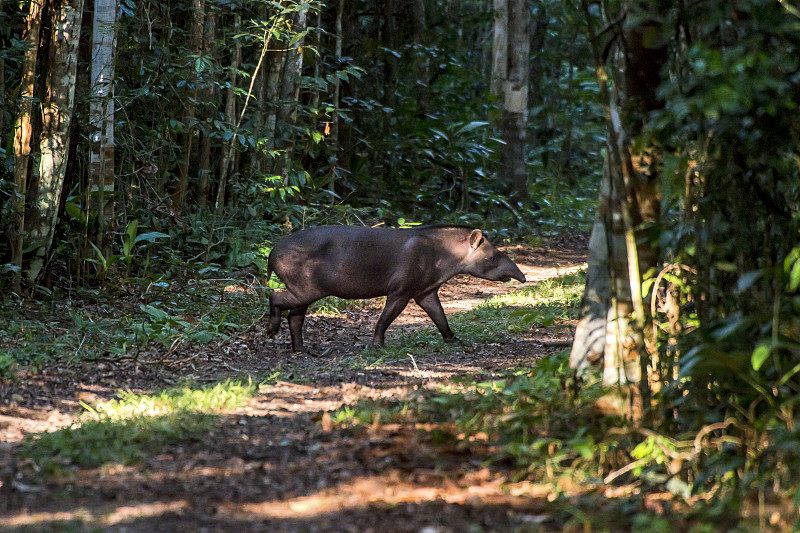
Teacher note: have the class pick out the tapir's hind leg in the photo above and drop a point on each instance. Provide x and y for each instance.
(280, 301)
(297, 316)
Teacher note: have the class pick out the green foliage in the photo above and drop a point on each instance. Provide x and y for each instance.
(134, 426)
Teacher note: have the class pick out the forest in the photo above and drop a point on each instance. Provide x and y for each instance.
(638, 159)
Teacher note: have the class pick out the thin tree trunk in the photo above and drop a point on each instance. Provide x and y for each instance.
(22, 139)
(389, 64)
(209, 94)
(3, 101)
(272, 92)
(515, 104)
(230, 118)
(259, 93)
(56, 120)
(101, 117)
(337, 91)
(179, 194)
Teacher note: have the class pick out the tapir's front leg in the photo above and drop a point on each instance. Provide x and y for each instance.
(430, 303)
(394, 306)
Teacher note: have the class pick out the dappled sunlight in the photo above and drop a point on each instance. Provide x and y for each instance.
(99, 517)
(390, 489)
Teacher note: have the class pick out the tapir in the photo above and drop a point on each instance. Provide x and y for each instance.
(354, 262)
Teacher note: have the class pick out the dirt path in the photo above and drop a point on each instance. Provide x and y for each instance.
(277, 463)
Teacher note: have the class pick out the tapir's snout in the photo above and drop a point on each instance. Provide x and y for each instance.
(512, 271)
(518, 275)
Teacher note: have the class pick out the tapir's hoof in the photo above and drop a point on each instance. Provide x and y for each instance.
(272, 332)
(465, 345)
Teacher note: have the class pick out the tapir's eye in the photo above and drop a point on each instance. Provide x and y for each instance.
(493, 259)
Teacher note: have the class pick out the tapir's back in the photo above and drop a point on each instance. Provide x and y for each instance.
(344, 261)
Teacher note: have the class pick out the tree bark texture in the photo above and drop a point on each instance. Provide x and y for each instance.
(499, 57)
(209, 100)
(22, 138)
(515, 103)
(101, 118)
(56, 120)
(290, 91)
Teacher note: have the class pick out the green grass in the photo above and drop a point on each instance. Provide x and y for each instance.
(134, 426)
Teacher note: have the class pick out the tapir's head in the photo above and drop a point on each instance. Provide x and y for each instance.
(485, 261)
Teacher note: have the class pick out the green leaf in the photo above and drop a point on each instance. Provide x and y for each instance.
(151, 236)
(794, 276)
(471, 126)
(760, 354)
(746, 281)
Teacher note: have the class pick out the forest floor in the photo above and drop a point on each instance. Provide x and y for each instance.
(278, 462)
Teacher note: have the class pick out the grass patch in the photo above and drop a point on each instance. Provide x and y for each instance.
(134, 426)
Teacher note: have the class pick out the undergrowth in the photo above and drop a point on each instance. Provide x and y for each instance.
(91, 324)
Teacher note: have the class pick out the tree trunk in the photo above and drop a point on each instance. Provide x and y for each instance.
(230, 119)
(499, 59)
(290, 89)
(22, 139)
(101, 118)
(259, 94)
(515, 103)
(209, 95)
(589, 345)
(631, 205)
(179, 193)
(337, 91)
(56, 120)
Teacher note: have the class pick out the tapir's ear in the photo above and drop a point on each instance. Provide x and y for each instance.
(475, 238)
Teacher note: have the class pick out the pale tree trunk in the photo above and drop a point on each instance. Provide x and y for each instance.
(179, 194)
(499, 58)
(389, 65)
(515, 98)
(421, 38)
(588, 348)
(22, 138)
(290, 89)
(101, 118)
(54, 142)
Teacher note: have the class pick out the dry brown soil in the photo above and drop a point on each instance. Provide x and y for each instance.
(277, 463)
